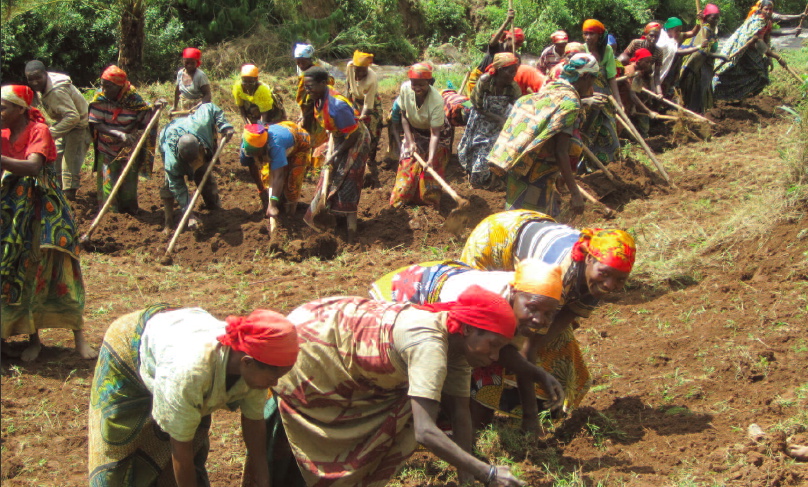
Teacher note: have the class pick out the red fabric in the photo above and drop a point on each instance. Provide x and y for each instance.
(25, 93)
(479, 308)
(518, 34)
(652, 26)
(420, 71)
(612, 247)
(529, 77)
(710, 9)
(265, 335)
(35, 139)
(641, 53)
(193, 53)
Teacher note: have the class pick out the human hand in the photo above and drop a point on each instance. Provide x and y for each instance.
(704, 45)
(700, 16)
(511, 14)
(504, 478)
(555, 393)
(654, 115)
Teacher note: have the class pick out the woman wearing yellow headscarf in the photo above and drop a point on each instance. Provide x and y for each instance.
(363, 86)
(533, 290)
(594, 263)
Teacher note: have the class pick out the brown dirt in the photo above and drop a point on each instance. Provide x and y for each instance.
(678, 372)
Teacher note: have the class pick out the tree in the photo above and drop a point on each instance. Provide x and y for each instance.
(132, 36)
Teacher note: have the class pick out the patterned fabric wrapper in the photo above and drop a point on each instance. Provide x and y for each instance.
(347, 178)
(478, 138)
(126, 447)
(413, 184)
(600, 126)
(299, 163)
(491, 244)
(747, 73)
(418, 283)
(696, 74)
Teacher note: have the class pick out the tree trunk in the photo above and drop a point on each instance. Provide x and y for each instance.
(130, 44)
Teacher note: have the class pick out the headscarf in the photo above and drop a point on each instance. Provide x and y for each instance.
(250, 70)
(479, 308)
(559, 36)
(254, 138)
(651, 26)
(579, 64)
(592, 25)
(116, 75)
(615, 248)
(712, 8)
(518, 35)
(758, 6)
(362, 59)
(535, 276)
(673, 23)
(574, 48)
(501, 60)
(641, 53)
(264, 335)
(420, 71)
(22, 96)
(304, 51)
(192, 53)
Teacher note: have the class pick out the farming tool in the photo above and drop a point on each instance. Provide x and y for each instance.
(155, 118)
(799, 27)
(167, 259)
(458, 218)
(790, 70)
(621, 115)
(592, 157)
(679, 107)
(318, 203)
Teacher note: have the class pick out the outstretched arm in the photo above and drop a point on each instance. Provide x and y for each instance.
(495, 39)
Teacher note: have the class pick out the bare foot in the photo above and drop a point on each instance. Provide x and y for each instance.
(82, 347)
(32, 351)
(798, 452)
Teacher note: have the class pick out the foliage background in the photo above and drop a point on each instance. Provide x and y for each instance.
(81, 36)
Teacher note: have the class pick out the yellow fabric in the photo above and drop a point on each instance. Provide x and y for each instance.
(537, 277)
(490, 245)
(262, 98)
(249, 70)
(362, 59)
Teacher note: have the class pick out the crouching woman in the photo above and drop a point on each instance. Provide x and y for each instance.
(160, 375)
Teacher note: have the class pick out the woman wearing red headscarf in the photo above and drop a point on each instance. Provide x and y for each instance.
(428, 133)
(502, 41)
(639, 71)
(370, 380)
(160, 375)
(492, 99)
(192, 86)
(647, 41)
(40, 272)
(118, 115)
(595, 264)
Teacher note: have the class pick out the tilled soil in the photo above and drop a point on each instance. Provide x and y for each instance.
(679, 371)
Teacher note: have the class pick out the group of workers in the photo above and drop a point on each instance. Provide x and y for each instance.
(356, 382)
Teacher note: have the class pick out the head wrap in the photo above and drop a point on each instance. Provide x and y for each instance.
(574, 48)
(579, 64)
(304, 50)
(592, 25)
(264, 335)
(535, 276)
(559, 36)
(501, 60)
(711, 9)
(250, 70)
(115, 75)
(192, 53)
(650, 26)
(518, 35)
(615, 248)
(420, 71)
(641, 53)
(479, 308)
(673, 23)
(254, 138)
(362, 59)
(756, 8)
(20, 95)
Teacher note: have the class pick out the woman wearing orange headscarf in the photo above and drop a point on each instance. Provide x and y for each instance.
(594, 263)
(40, 271)
(363, 92)
(192, 85)
(648, 41)
(118, 115)
(492, 99)
(162, 372)
(502, 41)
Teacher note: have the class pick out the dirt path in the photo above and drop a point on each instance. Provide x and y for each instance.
(682, 362)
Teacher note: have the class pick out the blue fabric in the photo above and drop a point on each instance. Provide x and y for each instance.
(395, 113)
(342, 113)
(279, 141)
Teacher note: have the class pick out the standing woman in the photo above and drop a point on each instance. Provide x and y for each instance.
(648, 41)
(304, 59)
(696, 76)
(426, 132)
(40, 272)
(600, 128)
(492, 99)
(255, 100)
(118, 115)
(747, 71)
(363, 86)
(351, 146)
(538, 141)
(162, 372)
(192, 86)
